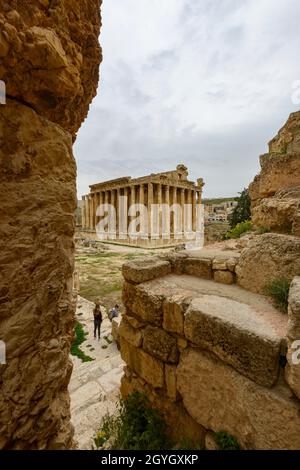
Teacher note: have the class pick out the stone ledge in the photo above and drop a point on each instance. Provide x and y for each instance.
(145, 269)
(234, 332)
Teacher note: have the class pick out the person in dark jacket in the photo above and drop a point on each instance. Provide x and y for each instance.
(97, 319)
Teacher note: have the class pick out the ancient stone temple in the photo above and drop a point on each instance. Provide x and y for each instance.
(162, 207)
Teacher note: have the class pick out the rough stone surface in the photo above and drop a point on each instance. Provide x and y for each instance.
(49, 61)
(173, 310)
(130, 334)
(267, 257)
(181, 426)
(236, 334)
(58, 44)
(170, 379)
(146, 366)
(145, 269)
(292, 369)
(143, 303)
(160, 344)
(225, 277)
(275, 191)
(221, 399)
(198, 267)
(210, 441)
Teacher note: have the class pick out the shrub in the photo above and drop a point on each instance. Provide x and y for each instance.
(135, 426)
(242, 211)
(278, 289)
(80, 337)
(225, 441)
(238, 230)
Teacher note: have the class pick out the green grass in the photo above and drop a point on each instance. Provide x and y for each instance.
(225, 441)
(238, 230)
(80, 337)
(135, 426)
(278, 289)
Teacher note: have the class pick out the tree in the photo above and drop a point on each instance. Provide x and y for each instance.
(242, 211)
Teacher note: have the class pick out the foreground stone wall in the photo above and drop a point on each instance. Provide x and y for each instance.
(200, 365)
(275, 192)
(49, 61)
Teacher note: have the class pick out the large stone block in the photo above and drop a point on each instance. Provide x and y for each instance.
(201, 267)
(224, 277)
(292, 370)
(180, 425)
(130, 334)
(221, 399)
(145, 269)
(235, 333)
(171, 382)
(147, 367)
(267, 257)
(173, 311)
(160, 344)
(143, 303)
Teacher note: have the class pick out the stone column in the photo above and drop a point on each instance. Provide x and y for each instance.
(112, 234)
(91, 212)
(159, 202)
(132, 202)
(93, 195)
(194, 209)
(149, 207)
(117, 212)
(174, 215)
(83, 218)
(166, 215)
(87, 212)
(183, 210)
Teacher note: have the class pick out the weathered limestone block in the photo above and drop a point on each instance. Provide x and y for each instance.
(268, 256)
(219, 398)
(115, 324)
(292, 369)
(210, 441)
(171, 382)
(59, 70)
(177, 261)
(224, 277)
(50, 64)
(134, 322)
(160, 344)
(141, 302)
(145, 269)
(38, 199)
(231, 264)
(234, 332)
(201, 267)
(130, 334)
(173, 311)
(180, 425)
(147, 367)
(181, 343)
(275, 191)
(219, 264)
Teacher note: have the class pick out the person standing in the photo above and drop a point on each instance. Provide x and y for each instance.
(97, 319)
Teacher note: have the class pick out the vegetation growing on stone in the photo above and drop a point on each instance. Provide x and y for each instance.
(135, 426)
(225, 441)
(238, 230)
(80, 337)
(279, 289)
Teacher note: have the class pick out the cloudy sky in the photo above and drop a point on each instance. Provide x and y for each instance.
(206, 83)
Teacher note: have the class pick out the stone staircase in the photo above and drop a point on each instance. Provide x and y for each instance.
(94, 385)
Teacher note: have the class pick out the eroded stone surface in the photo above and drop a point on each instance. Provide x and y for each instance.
(145, 269)
(292, 370)
(219, 398)
(236, 334)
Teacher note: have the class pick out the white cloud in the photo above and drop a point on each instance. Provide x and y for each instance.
(204, 83)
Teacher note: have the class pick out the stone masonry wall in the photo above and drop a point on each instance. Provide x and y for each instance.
(201, 370)
(49, 60)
